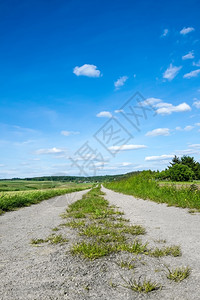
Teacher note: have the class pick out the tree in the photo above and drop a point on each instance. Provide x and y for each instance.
(175, 160)
(180, 172)
(192, 164)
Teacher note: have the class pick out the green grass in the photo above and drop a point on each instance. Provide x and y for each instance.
(139, 286)
(145, 186)
(103, 225)
(104, 231)
(74, 224)
(12, 200)
(137, 247)
(28, 185)
(178, 274)
(127, 264)
(92, 250)
(52, 239)
(165, 251)
(180, 182)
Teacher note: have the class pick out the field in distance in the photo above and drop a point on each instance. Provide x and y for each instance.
(180, 184)
(26, 185)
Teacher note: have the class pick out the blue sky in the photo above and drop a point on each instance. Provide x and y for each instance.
(68, 67)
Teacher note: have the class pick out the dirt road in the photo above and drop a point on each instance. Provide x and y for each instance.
(50, 272)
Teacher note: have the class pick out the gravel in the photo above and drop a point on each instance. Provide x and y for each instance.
(50, 271)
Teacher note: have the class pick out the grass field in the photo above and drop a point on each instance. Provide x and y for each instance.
(145, 187)
(28, 193)
(26, 185)
(180, 184)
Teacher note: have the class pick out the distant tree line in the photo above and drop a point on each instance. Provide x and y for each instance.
(75, 179)
(181, 169)
(78, 179)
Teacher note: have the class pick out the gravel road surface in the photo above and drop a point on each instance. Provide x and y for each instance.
(174, 224)
(46, 271)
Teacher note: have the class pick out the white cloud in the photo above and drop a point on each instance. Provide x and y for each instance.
(151, 101)
(120, 82)
(1, 165)
(195, 145)
(160, 157)
(104, 114)
(87, 70)
(126, 147)
(186, 30)
(53, 150)
(171, 72)
(67, 133)
(165, 32)
(164, 107)
(168, 108)
(126, 164)
(187, 152)
(158, 131)
(196, 103)
(117, 111)
(198, 124)
(197, 64)
(190, 55)
(192, 74)
(188, 128)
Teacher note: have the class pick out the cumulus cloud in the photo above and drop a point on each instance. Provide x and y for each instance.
(196, 103)
(197, 64)
(171, 72)
(188, 128)
(160, 157)
(158, 131)
(67, 133)
(104, 114)
(87, 70)
(126, 147)
(120, 82)
(165, 32)
(189, 55)
(53, 150)
(186, 30)
(151, 101)
(164, 107)
(168, 108)
(192, 74)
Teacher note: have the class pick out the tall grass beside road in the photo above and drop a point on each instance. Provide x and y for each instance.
(12, 200)
(144, 186)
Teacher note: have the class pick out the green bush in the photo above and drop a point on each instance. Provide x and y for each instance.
(179, 172)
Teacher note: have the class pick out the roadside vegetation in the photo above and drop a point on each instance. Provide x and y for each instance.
(13, 200)
(145, 185)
